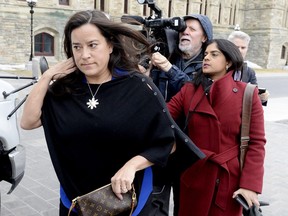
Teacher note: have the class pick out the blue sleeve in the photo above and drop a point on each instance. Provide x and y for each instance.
(177, 77)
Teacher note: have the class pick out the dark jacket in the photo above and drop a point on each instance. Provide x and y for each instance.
(248, 75)
(169, 83)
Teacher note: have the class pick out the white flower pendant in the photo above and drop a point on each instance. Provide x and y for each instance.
(92, 103)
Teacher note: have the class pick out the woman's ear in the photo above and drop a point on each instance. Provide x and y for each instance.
(228, 65)
(110, 49)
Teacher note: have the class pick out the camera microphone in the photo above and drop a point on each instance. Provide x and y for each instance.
(131, 19)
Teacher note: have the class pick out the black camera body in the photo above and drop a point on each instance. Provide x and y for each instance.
(175, 23)
(161, 32)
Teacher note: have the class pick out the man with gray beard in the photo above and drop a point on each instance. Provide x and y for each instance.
(169, 74)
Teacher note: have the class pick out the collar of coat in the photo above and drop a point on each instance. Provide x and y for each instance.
(220, 91)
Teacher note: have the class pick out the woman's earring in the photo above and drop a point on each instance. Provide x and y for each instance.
(227, 67)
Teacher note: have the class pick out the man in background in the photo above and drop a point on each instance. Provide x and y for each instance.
(248, 75)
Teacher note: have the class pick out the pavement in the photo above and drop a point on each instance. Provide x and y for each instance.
(38, 192)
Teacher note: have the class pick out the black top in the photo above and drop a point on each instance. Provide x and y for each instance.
(88, 146)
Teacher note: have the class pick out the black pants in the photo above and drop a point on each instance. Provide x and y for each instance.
(158, 202)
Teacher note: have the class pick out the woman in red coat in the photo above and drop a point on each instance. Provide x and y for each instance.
(212, 105)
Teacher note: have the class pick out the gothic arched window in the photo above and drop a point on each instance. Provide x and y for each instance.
(44, 44)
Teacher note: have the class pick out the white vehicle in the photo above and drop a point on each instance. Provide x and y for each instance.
(12, 153)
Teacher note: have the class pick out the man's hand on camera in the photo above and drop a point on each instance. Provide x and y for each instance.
(161, 62)
(144, 70)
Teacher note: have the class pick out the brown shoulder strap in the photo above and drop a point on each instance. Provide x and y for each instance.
(245, 126)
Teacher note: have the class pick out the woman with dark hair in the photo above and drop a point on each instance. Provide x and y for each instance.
(103, 121)
(212, 104)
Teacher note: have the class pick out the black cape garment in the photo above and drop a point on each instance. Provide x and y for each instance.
(88, 146)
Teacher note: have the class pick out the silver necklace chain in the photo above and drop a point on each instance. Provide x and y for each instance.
(93, 95)
(92, 103)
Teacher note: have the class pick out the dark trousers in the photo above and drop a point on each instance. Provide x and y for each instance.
(158, 202)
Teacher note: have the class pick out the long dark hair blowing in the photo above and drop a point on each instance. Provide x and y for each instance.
(128, 44)
(231, 53)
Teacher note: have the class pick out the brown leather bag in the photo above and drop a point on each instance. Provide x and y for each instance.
(103, 202)
(245, 125)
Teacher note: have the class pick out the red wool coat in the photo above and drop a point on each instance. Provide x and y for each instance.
(206, 187)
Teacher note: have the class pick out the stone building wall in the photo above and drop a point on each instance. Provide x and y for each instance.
(265, 23)
(264, 20)
(15, 28)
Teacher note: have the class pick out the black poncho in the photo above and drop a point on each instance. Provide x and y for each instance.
(88, 146)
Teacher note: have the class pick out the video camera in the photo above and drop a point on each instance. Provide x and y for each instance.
(161, 32)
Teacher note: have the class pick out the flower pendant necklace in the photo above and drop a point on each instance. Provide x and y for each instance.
(92, 103)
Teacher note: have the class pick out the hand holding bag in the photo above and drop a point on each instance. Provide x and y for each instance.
(103, 202)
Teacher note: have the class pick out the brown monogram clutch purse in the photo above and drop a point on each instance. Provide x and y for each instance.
(103, 202)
